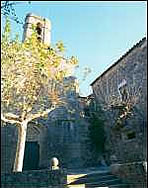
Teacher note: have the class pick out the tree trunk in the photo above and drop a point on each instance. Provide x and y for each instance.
(22, 130)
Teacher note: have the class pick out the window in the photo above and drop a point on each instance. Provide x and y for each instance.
(131, 135)
(39, 28)
(122, 89)
(39, 31)
(123, 93)
(39, 39)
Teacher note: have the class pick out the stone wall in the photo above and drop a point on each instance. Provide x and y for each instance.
(63, 134)
(9, 134)
(8, 147)
(32, 179)
(134, 173)
(132, 70)
(67, 134)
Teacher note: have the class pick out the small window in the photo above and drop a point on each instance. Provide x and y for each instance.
(39, 30)
(39, 39)
(131, 135)
(123, 91)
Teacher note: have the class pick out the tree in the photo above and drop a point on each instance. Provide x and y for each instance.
(96, 131)
(32, 83)
(124, 106)
(8, 9)
(121, 108)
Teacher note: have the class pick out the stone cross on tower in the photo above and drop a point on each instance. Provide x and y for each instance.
(43, 28)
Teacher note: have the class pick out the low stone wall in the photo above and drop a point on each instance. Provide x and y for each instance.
(35, 178)
(134, 173)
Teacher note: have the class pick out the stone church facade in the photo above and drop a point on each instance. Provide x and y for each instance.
(62, 134)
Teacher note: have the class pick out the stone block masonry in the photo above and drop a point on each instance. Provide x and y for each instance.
(36, 178)
(124, 79)
(134, 173)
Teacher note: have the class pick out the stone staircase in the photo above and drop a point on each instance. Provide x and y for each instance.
(94, 178)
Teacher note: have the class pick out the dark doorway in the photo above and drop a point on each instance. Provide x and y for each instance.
(31, 157)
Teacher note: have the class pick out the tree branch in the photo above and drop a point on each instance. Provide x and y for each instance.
(6, 4)
(41, 114)
(10, 118)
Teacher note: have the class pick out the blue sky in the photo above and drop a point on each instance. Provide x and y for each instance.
(97, 33)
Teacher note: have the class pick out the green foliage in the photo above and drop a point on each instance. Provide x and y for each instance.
(96, 132)
(60, 46)
(8, 8)
(32, 82)
(7, 30)
(32, 74)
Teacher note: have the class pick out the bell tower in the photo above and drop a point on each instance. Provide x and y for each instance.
(43, 28)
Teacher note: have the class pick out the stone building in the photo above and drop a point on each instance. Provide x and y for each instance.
(67, 132)
(125, 79)
(62, 134)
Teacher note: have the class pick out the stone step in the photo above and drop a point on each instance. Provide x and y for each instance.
(112, 186)
(93, 179)
(73, 178)
(128, 185)
(105, 183)
(92, 175)
(90, 170)
(96, 178)
(76, 186)
(86, 178)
